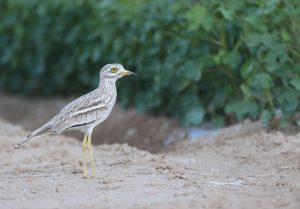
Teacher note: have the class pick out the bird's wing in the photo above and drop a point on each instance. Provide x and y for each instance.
(82, 111)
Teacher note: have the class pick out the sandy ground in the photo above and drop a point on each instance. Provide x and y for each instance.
(242, 166)
(230, 170)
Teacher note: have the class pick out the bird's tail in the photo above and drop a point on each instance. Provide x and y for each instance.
(24, 141)
(42, 131)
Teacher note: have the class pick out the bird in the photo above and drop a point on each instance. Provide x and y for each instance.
(85, 112)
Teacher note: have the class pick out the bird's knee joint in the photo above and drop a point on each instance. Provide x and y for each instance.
(89, 146)
(83, 145)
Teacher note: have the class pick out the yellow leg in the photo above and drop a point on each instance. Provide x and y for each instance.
(84, 145)
(89, 146)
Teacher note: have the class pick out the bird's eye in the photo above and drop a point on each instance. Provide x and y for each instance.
(114, 69)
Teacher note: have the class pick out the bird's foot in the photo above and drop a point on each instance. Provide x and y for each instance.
(93, 176)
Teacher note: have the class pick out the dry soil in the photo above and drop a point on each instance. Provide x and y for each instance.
(243, 166)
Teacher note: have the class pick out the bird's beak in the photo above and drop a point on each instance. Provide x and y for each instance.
(126, 72)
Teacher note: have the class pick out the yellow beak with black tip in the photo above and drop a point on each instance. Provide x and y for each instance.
(126, 73)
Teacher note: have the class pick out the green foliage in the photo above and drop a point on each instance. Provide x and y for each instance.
(209, 60)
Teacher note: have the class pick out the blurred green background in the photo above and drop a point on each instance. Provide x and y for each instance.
(197, 61)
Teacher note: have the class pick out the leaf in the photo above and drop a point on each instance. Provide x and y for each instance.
(298, 122)
(296, 83)
(190, 70)
(265, 117)
(227, 14)
(297, 67)
(247, 68)
(290, 105)
(287, 98)
(199, 16)
(246, 91)
(185, 83)
(277, 55)
(255, 21)
(252, 39)
(285, 35)
(194, 116)
(241, 108)
(232, 59)
(269, 39)
(217, 121)
(262, 81)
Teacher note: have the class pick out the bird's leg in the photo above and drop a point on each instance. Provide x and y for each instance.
(89, 146)
(84, 145)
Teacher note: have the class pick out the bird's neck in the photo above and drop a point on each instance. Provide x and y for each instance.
(107, 84)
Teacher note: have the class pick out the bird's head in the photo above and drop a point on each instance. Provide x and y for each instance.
(114, 71)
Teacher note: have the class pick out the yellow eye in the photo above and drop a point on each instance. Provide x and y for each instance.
(114, 69)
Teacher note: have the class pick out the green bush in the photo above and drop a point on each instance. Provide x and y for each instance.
(219, 61)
